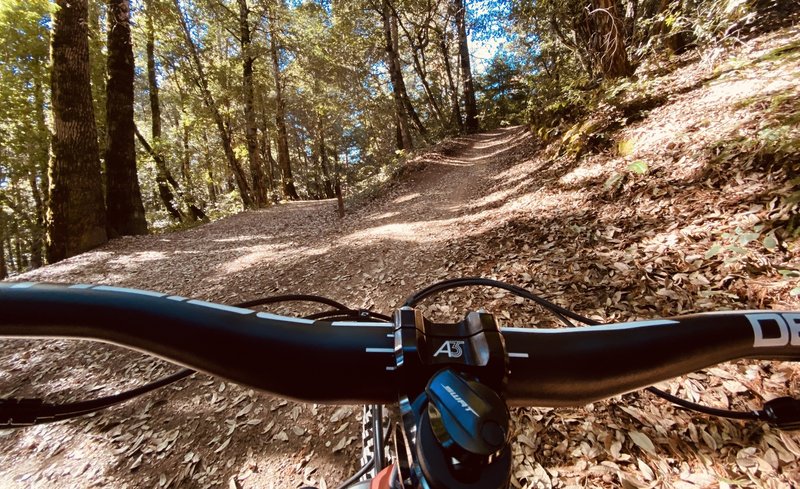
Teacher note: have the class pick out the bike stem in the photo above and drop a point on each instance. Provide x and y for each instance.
(455, 422)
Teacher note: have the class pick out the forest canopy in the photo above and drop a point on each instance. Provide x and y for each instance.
(182, 111)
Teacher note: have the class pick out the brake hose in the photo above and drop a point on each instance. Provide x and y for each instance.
(26, 412)
(562, 314)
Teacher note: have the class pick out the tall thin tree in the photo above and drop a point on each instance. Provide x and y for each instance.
(404, 138)
(443, 33)
(251, 130)
(3, 266)
(280, 108)
(37, 176)
(471, 124)
(76, 218)
(125, 212)
(208, 98)
(163, 176)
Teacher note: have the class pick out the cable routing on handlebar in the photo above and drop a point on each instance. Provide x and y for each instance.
(562, 314)
(33, 411)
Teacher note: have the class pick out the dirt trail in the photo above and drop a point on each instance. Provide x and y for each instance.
(372, 258)
(302, 246)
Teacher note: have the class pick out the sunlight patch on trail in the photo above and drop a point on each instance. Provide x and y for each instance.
(385, 215)
(138, 257)
(583, 174)
(406, 198)
(260, 255)
(485, 156)
(408, 231)
(241, 237)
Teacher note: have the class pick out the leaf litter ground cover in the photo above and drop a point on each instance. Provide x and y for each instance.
(700, 215)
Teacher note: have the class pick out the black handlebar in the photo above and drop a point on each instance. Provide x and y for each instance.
(296, 358)
(352, 362)
(575, 366)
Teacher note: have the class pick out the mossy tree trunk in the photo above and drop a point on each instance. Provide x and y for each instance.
(76, 217)
(124, 209)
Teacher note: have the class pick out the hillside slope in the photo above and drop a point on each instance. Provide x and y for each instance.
(690, 207)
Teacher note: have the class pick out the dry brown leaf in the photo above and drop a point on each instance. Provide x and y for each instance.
(642, 441)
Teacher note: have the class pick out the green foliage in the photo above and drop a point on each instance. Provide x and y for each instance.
(776, 143)
(502, 92)
(792, 277)
(743, 242)
(24, 138)
(617, 179)
(639, 167)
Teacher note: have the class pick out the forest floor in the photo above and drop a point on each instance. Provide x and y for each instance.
(691, 209)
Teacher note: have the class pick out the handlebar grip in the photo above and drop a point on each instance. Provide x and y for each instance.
(576, 366)
(307, 360)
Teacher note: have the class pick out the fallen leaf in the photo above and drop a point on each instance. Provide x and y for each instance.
(642, 441)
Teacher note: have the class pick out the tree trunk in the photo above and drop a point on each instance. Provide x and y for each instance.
(19, 258)
(395, 37)
(306, 172)
(455, 106)
(266, 152)
(98, 70)
(211, 104)
(124, 209)
(327, 186)
(471, 124)
(187, 194)
(19, 221)
(396, 79)
(186, 172)
(9, 253)
(37, 244)
(418, 56)
(210, 180)
(338, 185)
(38, 177)
(186, 156)
(163, 185)
(280, 112)
(188, 198)
(163, 175)
(76, 215)
(423, 78)
(610, 40)
(251, 132)
(3, 265)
